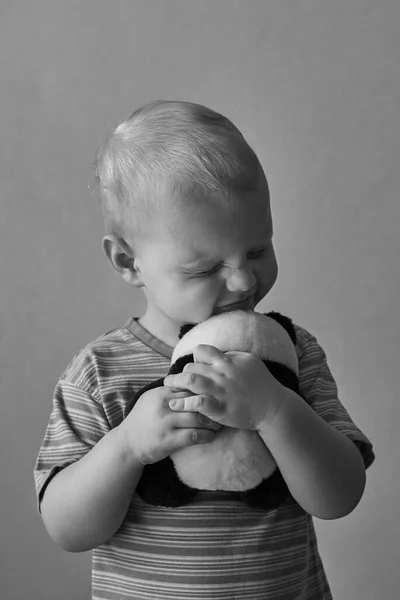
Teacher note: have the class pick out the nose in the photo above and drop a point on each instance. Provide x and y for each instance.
(240, 280)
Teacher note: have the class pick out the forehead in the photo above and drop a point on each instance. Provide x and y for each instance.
(197, 233)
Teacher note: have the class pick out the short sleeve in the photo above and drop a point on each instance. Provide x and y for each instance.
(319, 389)
(77, 422)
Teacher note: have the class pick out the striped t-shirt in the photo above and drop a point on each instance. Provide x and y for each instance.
(215, 547)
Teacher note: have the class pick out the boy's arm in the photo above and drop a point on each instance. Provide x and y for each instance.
(85, 503)
(320, 450)
(312, 441)
(322, 467)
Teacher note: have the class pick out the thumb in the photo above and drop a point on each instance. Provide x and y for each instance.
(207, 354)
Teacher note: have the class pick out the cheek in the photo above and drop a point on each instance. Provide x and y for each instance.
(268, 272)
(181, 296)
(162, 289)
(203, 292)
(198, 299)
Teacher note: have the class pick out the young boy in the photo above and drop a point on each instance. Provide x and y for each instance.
(186, 207)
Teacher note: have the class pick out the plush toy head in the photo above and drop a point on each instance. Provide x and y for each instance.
(236, 460)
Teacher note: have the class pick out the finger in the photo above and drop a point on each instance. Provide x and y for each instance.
(206, 405)
(210, 372)
(201, 369)
(176, 393)
(195, 382)
(197, 368)
(192, 420)
(209, 355)
(182, 438)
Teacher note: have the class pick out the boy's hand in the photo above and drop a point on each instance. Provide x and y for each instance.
(153, 431)
(233, 388)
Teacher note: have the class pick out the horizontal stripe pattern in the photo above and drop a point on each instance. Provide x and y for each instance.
(215, 547)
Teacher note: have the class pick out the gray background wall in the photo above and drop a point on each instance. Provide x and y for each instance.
(315, 86)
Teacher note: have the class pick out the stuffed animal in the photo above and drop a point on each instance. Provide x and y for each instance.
(236, 461)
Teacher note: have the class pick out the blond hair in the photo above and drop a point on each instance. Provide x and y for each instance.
(181, 148)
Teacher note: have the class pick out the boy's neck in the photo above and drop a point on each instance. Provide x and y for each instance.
(164, 329)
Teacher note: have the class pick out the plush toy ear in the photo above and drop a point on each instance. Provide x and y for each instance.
(185, 328)
(286, 323)
(179, 364)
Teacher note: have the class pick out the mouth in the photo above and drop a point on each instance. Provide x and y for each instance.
(247, 304)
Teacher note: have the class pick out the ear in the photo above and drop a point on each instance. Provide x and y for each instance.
(120, 256)
(286, 323)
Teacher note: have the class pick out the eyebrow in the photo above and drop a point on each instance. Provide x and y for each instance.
(200, 260)
(199, 264)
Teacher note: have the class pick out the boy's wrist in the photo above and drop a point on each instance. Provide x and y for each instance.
(124, 448)
(278, 409)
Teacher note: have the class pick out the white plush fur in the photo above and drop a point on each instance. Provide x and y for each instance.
(241, 330)
(236, 460)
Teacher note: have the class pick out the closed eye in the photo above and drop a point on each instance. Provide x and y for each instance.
(251, 256)
(257, 254)
(210, 272)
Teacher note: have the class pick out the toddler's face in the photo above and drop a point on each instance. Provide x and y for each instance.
(205, 258)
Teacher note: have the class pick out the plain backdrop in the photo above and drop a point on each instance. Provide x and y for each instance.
(315, 87)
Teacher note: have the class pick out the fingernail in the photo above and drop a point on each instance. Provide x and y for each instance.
(173, 403)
